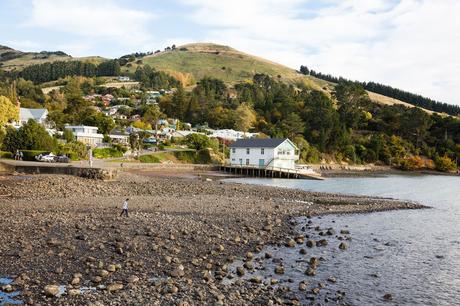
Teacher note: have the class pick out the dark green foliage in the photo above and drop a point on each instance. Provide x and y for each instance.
(31, 136)
(5, 154)
(107, 152)
(399, 94)
(108, 68)
(29, 155)
(200, 142)
(152, 79)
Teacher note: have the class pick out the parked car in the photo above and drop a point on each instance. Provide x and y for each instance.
(62, 159)
(46, 157)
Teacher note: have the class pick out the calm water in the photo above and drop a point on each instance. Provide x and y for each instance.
(413, 254)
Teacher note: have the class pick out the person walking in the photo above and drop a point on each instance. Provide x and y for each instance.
(125, 208)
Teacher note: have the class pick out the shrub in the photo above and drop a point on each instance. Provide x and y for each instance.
(74, 150)
(107, 153)
(29, 155)
(149, 159)
(7, 155)
(444, 164)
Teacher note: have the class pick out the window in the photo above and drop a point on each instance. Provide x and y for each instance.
(248, 151)
(262, 151)
(233, 150)
(241, 161)
(247, 161)
(233, 159)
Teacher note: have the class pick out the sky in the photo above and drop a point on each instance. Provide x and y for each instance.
(410, 44)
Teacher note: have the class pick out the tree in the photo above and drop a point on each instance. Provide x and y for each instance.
(200, 142)
(444, 164)
(292, 125)
(304, 70)
(245, 118)
(68, 135)
(31, 136)
(152, 114)
(8, 111)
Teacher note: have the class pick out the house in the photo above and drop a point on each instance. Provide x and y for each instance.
(264, 153)
(37, 114)
(86, 134)
(123, 78)
(229, 134)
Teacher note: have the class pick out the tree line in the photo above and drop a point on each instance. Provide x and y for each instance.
(392, 92)
(41, 73)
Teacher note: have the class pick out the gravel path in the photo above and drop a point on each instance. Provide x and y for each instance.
(174, 249)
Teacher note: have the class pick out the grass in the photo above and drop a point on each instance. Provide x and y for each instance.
(221, 62)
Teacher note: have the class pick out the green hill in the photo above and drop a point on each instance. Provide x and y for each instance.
(194, 61)
(14, 60)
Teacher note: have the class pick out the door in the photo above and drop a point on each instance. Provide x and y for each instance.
(241, 161)
(261, 163)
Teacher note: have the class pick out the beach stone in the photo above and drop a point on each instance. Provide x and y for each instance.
(73, 292)
(322, 242)
(388, 297)
(248, 265)
(303, 286)
(303, 251)
(345, 232)
(240, 271)
(103, 273)
(343, 246)
(133, 279)
(256, 280)
(310, 243)
(7, 288)
(314, 262)
(310, 272)
(51, 290)
(114, 287)
(332, 279)
(75, 281)
(111, 268)
(96, 279)
(249, 255)
(178, 272)
(279, 269)
(290, 243)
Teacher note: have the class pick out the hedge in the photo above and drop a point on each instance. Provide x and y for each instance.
(107, 153)
(4, 154)
(29, 155)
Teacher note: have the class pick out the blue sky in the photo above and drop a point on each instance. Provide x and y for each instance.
(410, 44)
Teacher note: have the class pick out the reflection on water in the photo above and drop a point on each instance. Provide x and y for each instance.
(413, 254)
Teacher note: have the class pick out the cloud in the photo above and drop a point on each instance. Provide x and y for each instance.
(101, 20)
(411, 44)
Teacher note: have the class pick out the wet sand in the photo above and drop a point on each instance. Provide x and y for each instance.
(175, 247)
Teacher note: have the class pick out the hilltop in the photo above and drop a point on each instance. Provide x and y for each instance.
(15, 60)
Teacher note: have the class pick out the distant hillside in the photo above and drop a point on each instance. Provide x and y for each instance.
(195, 61)
(14, 60)
(189, 63)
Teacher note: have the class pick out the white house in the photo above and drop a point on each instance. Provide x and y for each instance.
(37, 114)
(264, 153)
(86, 134)
(229, 134)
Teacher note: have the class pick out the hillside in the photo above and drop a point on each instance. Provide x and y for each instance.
(195, 61)
(15, 60)
(189, 63)
(192, 62)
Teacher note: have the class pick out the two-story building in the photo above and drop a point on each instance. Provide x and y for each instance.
(86, 134)
(264, 153)
(38, 114)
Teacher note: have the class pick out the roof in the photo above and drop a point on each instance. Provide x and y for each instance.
(258, 143)
(32, 113)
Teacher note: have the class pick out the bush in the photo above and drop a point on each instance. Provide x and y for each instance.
(74, 150)
(107, 153)
(199, 142)
(29, 155)
(7, 155)
(149, 159)
(444, 164)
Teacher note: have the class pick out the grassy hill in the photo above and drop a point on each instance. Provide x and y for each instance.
(189, 63)
(192, 62)
(11, 59)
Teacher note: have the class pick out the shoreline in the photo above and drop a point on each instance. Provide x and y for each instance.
(182, 232)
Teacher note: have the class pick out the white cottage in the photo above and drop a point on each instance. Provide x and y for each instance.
(264, 153)
(37, 114)
(86, 134)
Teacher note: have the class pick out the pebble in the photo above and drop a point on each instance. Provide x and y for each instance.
(51, 290)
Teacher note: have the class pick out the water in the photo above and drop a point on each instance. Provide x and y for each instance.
(412, 254)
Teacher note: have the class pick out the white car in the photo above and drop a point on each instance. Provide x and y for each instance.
(48, 158)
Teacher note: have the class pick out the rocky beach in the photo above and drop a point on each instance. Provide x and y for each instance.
(185, 242)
